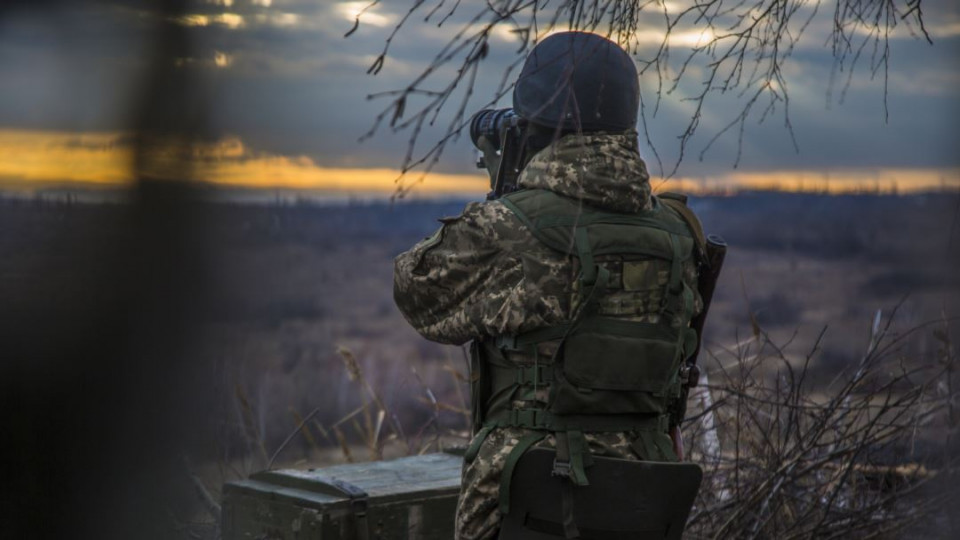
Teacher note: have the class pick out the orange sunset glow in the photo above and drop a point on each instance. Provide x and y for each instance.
(34, 159)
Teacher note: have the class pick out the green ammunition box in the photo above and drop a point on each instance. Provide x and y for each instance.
(402, 499)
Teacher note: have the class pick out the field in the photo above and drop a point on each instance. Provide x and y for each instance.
(268, 312)
(288, 284)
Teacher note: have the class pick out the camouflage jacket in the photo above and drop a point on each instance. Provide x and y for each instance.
(483, 274)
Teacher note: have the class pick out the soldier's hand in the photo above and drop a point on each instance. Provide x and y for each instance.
(491, 156)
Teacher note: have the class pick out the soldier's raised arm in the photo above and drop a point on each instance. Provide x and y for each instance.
(480, 275)
(439, 283)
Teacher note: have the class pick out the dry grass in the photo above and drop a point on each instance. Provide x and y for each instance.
(866, 457)
(372, 428)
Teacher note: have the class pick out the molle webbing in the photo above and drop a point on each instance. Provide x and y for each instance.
(521, 342)
(540, 419)
(554, 220)
(608, 374)
(598, 352)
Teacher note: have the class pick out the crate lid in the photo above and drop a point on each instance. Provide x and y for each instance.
(423, 476)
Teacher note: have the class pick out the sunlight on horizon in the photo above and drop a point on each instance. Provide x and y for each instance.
(37, 159)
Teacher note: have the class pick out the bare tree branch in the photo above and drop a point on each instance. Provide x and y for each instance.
(732, 48)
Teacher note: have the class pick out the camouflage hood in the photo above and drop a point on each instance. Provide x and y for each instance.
(600, 169)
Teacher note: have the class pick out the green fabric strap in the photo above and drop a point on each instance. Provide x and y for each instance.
(534, 375)
(600, 324)
(519, 213)
(692, 222)
(573, 457)
(543, 420)
(524, 418)
(588, 269)
(549, 333)
(625, 328)
(689, 342)
(561, 468)
(687, 303)
(525, 341)
(590, 299)
(475, 444)
(593, 277)
(580, 457)
(676, 272)
(664, 445)
(513, 457)
(606, 325)
(653, 446)
(611, 219)
(673, 300)
(645, 448)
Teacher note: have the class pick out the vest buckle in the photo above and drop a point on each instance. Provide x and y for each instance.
(690, 375)
(507, 342)
(560, 468)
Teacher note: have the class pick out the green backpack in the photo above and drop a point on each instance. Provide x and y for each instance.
(609, 373)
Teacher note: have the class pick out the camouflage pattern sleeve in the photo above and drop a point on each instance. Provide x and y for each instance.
(469, 279)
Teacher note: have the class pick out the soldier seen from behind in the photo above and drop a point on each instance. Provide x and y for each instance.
(576, 288)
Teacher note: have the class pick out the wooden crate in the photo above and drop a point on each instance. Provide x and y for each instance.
(402, 499)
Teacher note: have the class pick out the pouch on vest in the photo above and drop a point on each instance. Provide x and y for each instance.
(612, 366)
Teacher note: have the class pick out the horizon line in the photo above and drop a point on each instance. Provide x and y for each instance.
(33, 160)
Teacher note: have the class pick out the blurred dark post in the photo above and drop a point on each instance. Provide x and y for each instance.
(101, 394)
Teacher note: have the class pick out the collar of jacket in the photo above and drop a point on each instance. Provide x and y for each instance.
(601, 169)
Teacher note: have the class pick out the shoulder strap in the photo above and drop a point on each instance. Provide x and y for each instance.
(679, 204)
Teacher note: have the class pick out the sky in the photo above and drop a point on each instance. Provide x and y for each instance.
(289, 99)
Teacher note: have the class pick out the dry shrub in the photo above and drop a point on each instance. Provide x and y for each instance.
(867, 456)
(374, 423)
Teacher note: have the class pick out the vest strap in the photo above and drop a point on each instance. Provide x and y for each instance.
(652, 446)
(476, 443)
(608, 325)
(573, 456)
(513, 457)
(677, 300)
(679, 204)
(588, 268)
(543, 420)
(580, 220)
(577, 456)
(522, 342)
(535, 375)
(570, 529)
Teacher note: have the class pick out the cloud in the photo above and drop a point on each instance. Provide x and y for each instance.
(366, 13)
(285, 80)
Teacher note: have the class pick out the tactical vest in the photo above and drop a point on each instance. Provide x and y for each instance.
(608, 373)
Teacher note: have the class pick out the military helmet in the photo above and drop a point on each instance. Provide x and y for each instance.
(578, 81)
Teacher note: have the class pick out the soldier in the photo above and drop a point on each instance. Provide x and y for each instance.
(576, 289)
